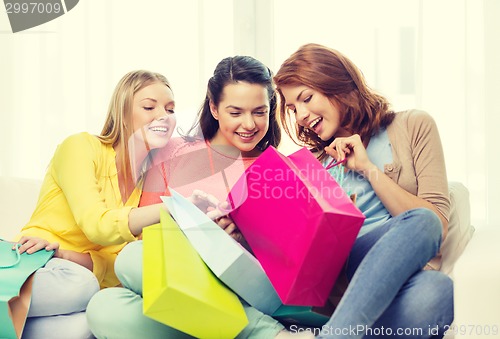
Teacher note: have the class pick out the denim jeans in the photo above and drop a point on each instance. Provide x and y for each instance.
(389, 294)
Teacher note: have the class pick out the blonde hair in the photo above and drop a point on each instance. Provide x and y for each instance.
(118, 125)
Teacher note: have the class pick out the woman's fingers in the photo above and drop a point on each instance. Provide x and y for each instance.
(215, 214)
(227, 224)
(203, 200)
(33, 245)
(224, 222)
(233, 231)
(343, 147)
(236, 235)
(24, 239)
(353, 151)
(338, 149)
(331, 151)
(231, 228)
(52, 246)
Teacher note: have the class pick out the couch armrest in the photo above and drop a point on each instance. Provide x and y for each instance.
(477, 286)
(460, 229)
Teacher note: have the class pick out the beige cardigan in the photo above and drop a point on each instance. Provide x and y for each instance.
(418, 167)
(418, 162)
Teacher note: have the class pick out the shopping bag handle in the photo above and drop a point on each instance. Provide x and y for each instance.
(18, 258)
(334, 163)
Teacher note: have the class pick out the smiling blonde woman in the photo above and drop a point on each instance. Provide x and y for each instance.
(88, 205)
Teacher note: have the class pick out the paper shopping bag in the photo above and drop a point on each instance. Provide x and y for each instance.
(315, 316)
(228, 260)
(180, 291)
(298, 221)
(16, 278)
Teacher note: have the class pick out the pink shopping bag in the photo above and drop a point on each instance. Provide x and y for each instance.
(298, 221)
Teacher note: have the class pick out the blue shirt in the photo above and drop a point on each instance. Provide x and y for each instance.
(379, 152)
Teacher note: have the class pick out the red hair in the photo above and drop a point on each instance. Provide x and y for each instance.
(331, 73)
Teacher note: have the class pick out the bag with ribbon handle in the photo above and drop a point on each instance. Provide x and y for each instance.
(298, 221)
(16, 280)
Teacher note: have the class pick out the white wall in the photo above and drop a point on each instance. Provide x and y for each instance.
(491, 69)
(441, 56)
(57, 78)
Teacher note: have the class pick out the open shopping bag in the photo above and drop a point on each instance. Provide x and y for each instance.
(16, 279)
(180, 291)
(228, 260)
(298, 221)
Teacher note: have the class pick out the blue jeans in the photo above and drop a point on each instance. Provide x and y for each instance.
(389, 294)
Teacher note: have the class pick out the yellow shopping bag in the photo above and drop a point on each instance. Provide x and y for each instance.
(179, 290)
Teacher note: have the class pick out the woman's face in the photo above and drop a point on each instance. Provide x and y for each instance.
(153, 115)
(243, 115)
(312, 110)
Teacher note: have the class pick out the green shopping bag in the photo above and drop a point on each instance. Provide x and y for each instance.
(180, 291)
(315, 316)
(16, 278)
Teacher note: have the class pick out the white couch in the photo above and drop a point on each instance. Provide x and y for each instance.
(471, 257)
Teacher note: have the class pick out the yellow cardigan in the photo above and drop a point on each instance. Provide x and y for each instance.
(80, 204)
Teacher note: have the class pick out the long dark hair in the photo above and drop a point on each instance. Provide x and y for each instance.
(232, 70)
(331, 73)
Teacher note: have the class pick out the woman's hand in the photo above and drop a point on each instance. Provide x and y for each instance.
(31, 245)
(221, 217)
(217, 212)
(204, 201)
(227, 224)
(352, 149)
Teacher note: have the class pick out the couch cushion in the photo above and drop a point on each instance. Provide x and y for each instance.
(460, 229)
(476, 285)
(18, 197)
